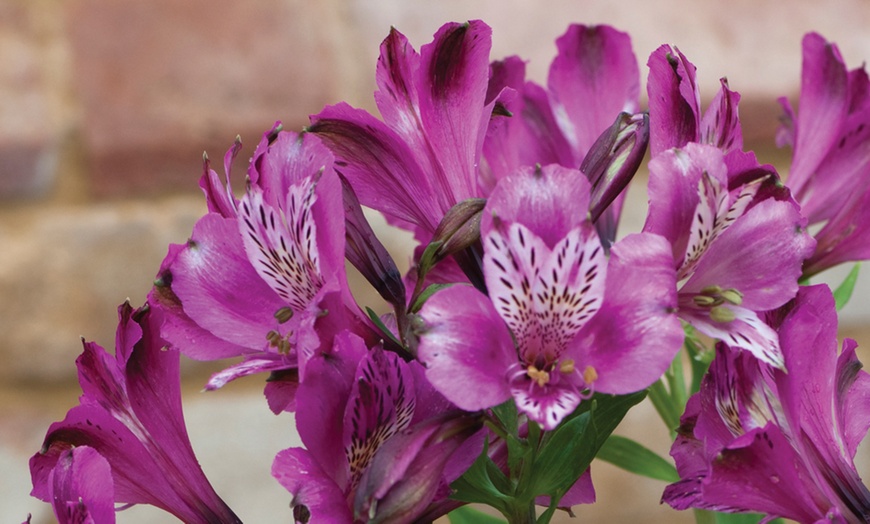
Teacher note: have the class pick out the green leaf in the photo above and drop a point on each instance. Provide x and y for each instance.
(579, 438)
(631, 456)
(844, 291)
(384, 329)
(742, 518)
(469, 515)
(483, 483)
(426, 294)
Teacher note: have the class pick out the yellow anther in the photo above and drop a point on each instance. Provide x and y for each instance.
(567, 366)
(711, 290)
(733, 296)
(703, 300)
(589, 375)
(722, 314)
(541, 377)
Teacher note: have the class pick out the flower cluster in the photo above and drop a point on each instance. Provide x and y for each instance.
(526, 328)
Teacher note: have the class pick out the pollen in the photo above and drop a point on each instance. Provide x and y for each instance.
(722, 314)
(541, 377)
(567, 366)
(590, 375)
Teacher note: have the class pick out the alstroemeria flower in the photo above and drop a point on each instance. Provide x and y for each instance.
(130, 413)
(378, 439)
(593, 82)
(758, 439)
(830, 170)
(737, 243)
(263, 276)
(675, 107)
(80, 488)
(422, 159)
(561, 319)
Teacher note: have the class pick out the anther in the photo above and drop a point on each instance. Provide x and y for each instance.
(541, 377)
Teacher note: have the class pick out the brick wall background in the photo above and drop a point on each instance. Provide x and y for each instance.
(107, 105)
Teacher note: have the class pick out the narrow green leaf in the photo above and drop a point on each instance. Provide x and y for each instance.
(426, 294)
(384, 329)
(741, 518)
(469, 515)
(844, 291)
(631, 456)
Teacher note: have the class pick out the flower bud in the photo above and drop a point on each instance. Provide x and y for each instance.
(614, 158)
(404, 475)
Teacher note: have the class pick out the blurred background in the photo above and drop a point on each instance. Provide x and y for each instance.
(107, 105)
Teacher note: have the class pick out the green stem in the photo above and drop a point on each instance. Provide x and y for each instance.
(704, 517)
(661, 400)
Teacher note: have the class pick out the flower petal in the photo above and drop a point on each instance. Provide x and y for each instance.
(674, 100)
(466, 348)
(316, 498)
(592, 79)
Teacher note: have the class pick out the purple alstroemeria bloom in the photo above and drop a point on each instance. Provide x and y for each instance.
(593, 85)
(130, 413)
(830, 169)
(422, 158)
(737, 247)
(758, 439)
(380, 443)
(561, 319)
(675, 107)
(80, 487)
(263, 276)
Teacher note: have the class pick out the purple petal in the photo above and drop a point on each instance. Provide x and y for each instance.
(823, 106)
(251, 365)
(759, 472)
(746, 330)
(582, 492)
(720, 125)
(592, 79)
(640, 298)
(379, 165)
(453, 77)
(322, 399)
(220, 291)
(316, 498)
(219, 196)
(852, 398)
(845, 237)
(81, 489)
(550, 202)
(675, 178)
(466, 348)
(547, 405)
(760, 255)
(381, 404)
(674, 100)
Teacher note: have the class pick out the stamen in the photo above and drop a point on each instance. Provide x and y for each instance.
(567, 366)
(284, 314)
(589, 375)
(722, 314)
(541, 377)
(733, 296)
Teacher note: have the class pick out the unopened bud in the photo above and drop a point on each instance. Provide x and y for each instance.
(614, 158)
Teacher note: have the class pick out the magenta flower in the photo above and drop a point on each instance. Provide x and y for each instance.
(130, 415)
(561, 319)
(593, 86)
(758, 439)
(80, 488)
(422, 159)
(830, 170)
(738, 243)
(380, 444)
(675, 107)
(263, 277)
